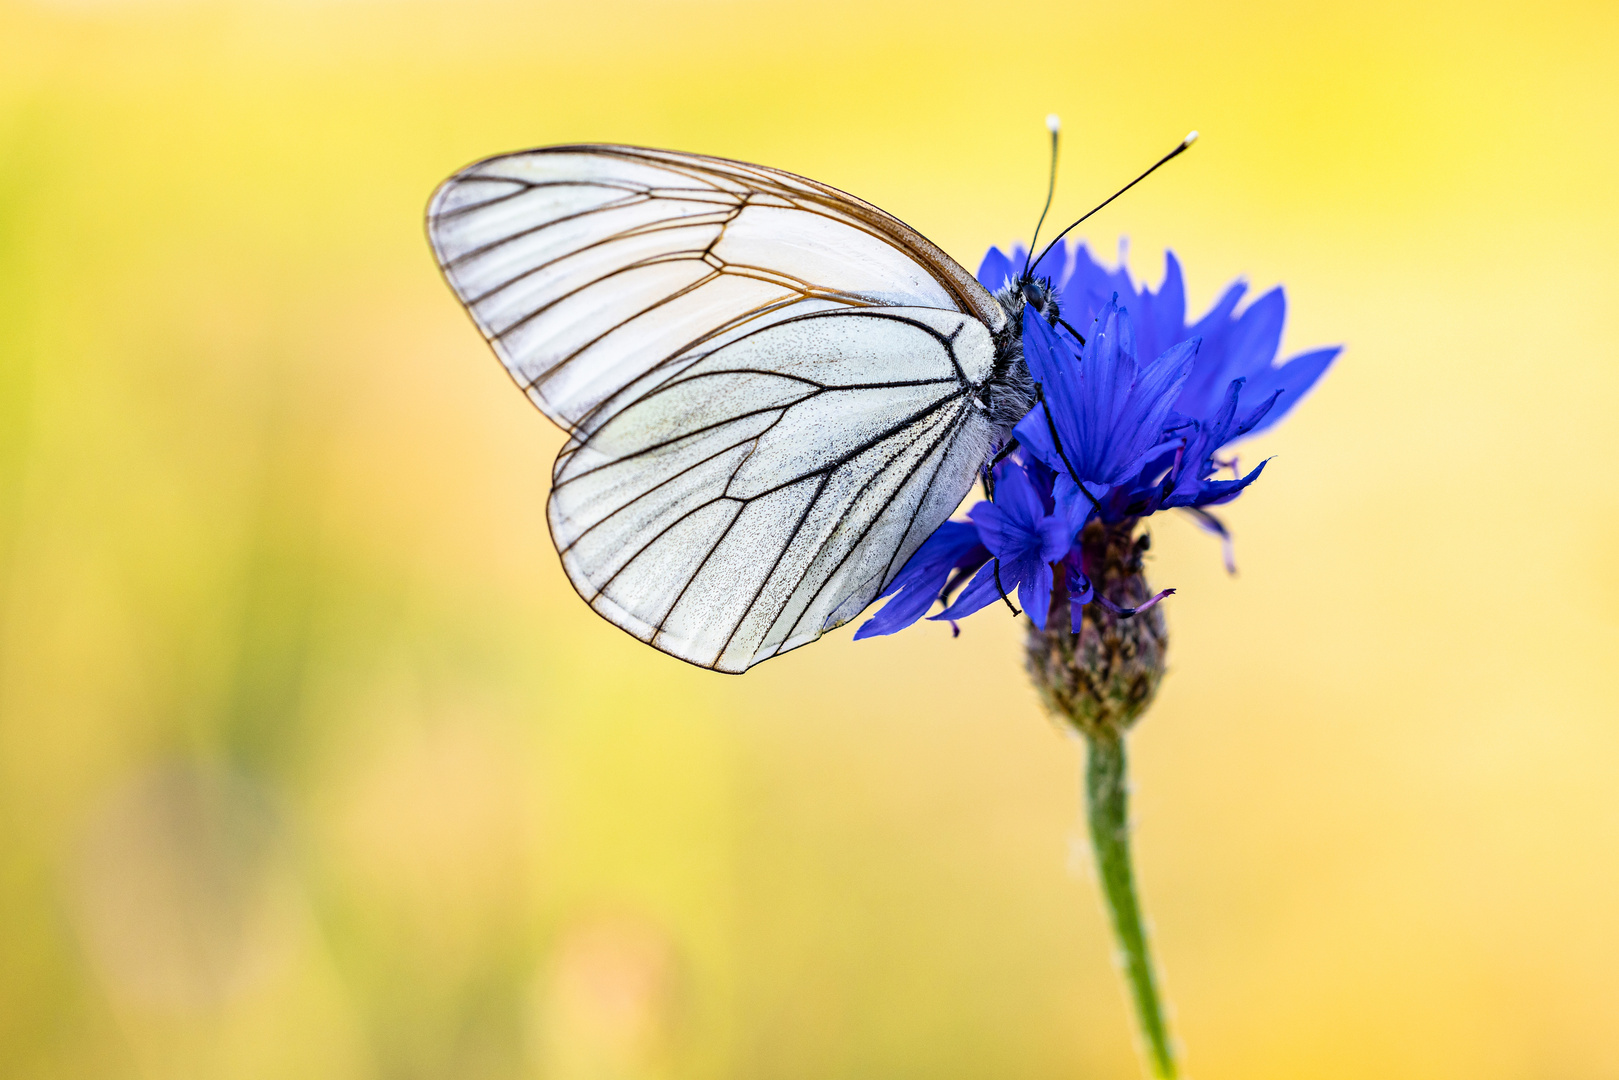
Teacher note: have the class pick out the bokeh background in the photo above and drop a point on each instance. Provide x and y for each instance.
(312, 765)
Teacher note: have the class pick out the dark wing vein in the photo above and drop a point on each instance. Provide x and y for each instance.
(672, 225)
(871, 523)
(685, 353)
(826, 469)
(831, 534)
(633, 199)
(669, 479)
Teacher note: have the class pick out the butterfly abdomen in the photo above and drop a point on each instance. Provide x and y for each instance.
(1008, 395)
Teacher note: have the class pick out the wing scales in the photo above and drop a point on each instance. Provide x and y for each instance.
(596, 197)
(610, 362)
(770, 386)
(660, 572)
(849, 565)
(821, 485)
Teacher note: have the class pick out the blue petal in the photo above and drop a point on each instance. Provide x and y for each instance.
(995, 270)
(1053, 264)
(1084, 290)
(1215, 367)
(1214, 492)
(1007, 538)
(1257, 335)
(1220, 314)
(1017, 504)
(1294, 378)
(1073, 508)
(1154, 394)
(1034, 592)
(1052, 364)
(1107, 411)
(1041, 478)
(1169, 307)
(1219, 426)
(1254, 417)
(980, 592)
(1056, 537)
(1106, 374)
(1080, 593)
(922, 578)
(1159, 318)
(1142, 436)
(1034, 436)
(1196, 460)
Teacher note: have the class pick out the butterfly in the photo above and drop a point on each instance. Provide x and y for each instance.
(773, 391)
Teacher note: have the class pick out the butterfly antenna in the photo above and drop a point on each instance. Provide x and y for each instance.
(1053, 125)
(1165, 160)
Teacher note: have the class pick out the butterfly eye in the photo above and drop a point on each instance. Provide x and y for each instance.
(1037, 294)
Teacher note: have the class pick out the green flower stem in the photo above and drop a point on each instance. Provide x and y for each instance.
(1107, 806)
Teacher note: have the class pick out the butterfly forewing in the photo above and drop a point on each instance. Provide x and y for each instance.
(769, 384)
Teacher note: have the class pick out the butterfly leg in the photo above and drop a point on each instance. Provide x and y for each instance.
(1004, 452)
(998, 585)
(989, 469)
(1056, 440)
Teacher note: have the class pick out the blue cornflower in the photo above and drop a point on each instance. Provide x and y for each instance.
(1233, 346)
(1112, 438)
(1024, 536)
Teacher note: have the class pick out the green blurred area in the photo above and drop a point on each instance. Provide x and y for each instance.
(312, 764)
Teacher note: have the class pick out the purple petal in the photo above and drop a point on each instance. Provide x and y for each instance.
(1126, 612)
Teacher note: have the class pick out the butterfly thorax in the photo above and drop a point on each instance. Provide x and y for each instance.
(1010, 392)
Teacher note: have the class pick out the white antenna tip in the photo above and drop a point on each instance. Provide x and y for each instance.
(1190, 139)
(1053, 123)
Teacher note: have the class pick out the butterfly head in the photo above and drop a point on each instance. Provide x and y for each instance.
(1028, 291)
(1038, 293)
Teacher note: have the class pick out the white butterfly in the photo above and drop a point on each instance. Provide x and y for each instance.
(774, 391)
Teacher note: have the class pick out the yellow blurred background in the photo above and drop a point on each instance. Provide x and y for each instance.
(312, 765)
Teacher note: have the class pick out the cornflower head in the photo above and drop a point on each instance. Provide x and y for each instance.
(1128, 418)
(1134, 407)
